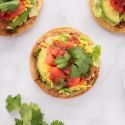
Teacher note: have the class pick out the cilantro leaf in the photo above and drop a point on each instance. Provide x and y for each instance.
(83, 66)
(26, 113)
(75, 71)
(56, 122)
(37, 116)
(13, 103)
(44, 123)
(76, 52)
(62, 62)
(96, 55)
(30, 113)
(82, 62)
(18, 122)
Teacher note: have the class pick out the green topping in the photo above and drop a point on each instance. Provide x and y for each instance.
(30, 112)
(82, 62)
(42, 67)
(33, 11)
(75, 71)
(96, 55)
(62, 62)
(13, 103)
(63, 38)
(9, 5)
(18, 122)
(56, 122)
(84, 39)
(103, 9)
(61, 85)
(111, 14)
(20, 20)
(97, 8)
(49, 40)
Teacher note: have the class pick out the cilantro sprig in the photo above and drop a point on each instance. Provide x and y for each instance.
(62, 62)
(30, 113)
(82, 61)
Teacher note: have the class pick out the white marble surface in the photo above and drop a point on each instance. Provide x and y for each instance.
(104, 104)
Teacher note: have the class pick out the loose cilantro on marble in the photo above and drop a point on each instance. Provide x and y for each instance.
(30, 113)
(56, 122)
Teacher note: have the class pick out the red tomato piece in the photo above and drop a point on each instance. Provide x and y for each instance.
(58, 43)
(56, 74)
(118, 5)
(49, 59)
(13, 14)
(67, 71)
(74, 39)
(69, 45)
(56, 51)
(73, 81)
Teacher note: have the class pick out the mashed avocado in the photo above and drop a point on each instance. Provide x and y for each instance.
(104, 10)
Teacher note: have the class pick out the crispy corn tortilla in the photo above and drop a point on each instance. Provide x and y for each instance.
(119, 28)
(25, 26)
(33, 64)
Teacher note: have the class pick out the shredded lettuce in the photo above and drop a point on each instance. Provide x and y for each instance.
(97, 8)
(96, 55)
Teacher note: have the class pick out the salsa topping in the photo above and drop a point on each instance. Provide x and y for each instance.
(119, 5)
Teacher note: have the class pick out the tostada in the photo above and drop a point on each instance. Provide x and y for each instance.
(65, 62)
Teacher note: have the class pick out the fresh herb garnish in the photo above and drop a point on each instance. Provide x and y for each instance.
(57, 123)
(30, 112)
(13, 103)
(62, 62)
(82, 61)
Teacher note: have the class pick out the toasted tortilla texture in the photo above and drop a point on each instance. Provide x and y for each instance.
(33, 63)
(119, 28)
(25, 26)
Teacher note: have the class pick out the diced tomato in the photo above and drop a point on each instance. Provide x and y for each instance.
(73, 81)
(118, 5)
(49, 59)
(58, 43)
(69, 45)
(94, 69)
(74, 39)
(56, 51)
(56, 74)
(11, 15)
(3, 24)
(67, 71)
